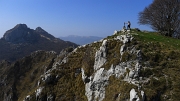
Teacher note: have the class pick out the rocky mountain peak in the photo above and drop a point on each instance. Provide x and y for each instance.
(20, 33)
(22, 40)
(43, 33)
(39, 29)
(20, 26)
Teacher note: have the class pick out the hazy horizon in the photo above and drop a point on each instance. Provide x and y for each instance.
(67, 17)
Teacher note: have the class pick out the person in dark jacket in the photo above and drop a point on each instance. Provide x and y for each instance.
(128, 25)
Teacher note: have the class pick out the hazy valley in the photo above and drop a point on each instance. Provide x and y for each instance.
(81, 40)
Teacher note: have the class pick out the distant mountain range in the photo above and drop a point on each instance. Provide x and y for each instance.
(21, 41)
(81, 40)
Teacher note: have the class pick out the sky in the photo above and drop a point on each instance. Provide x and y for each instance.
(72, 17)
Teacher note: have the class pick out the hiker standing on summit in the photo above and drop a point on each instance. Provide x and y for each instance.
(128, 25)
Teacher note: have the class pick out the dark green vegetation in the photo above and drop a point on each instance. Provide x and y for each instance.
(160, 56)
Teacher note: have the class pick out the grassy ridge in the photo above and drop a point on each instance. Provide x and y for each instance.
(155, 37)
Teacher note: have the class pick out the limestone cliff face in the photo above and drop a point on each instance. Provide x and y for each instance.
(117, 68)
(95, 88)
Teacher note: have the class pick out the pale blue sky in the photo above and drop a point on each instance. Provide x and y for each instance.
(72, 17)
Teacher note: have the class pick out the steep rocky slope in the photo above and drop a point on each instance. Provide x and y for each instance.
(133, 66)
(20, 41)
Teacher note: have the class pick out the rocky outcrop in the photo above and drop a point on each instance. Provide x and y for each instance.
(134, 95)
(27, 98)
(50, 97)
(95, 87)
(100, 57)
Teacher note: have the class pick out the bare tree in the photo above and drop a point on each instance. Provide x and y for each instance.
(162, 16)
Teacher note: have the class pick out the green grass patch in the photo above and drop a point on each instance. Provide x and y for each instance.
(146, 37)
